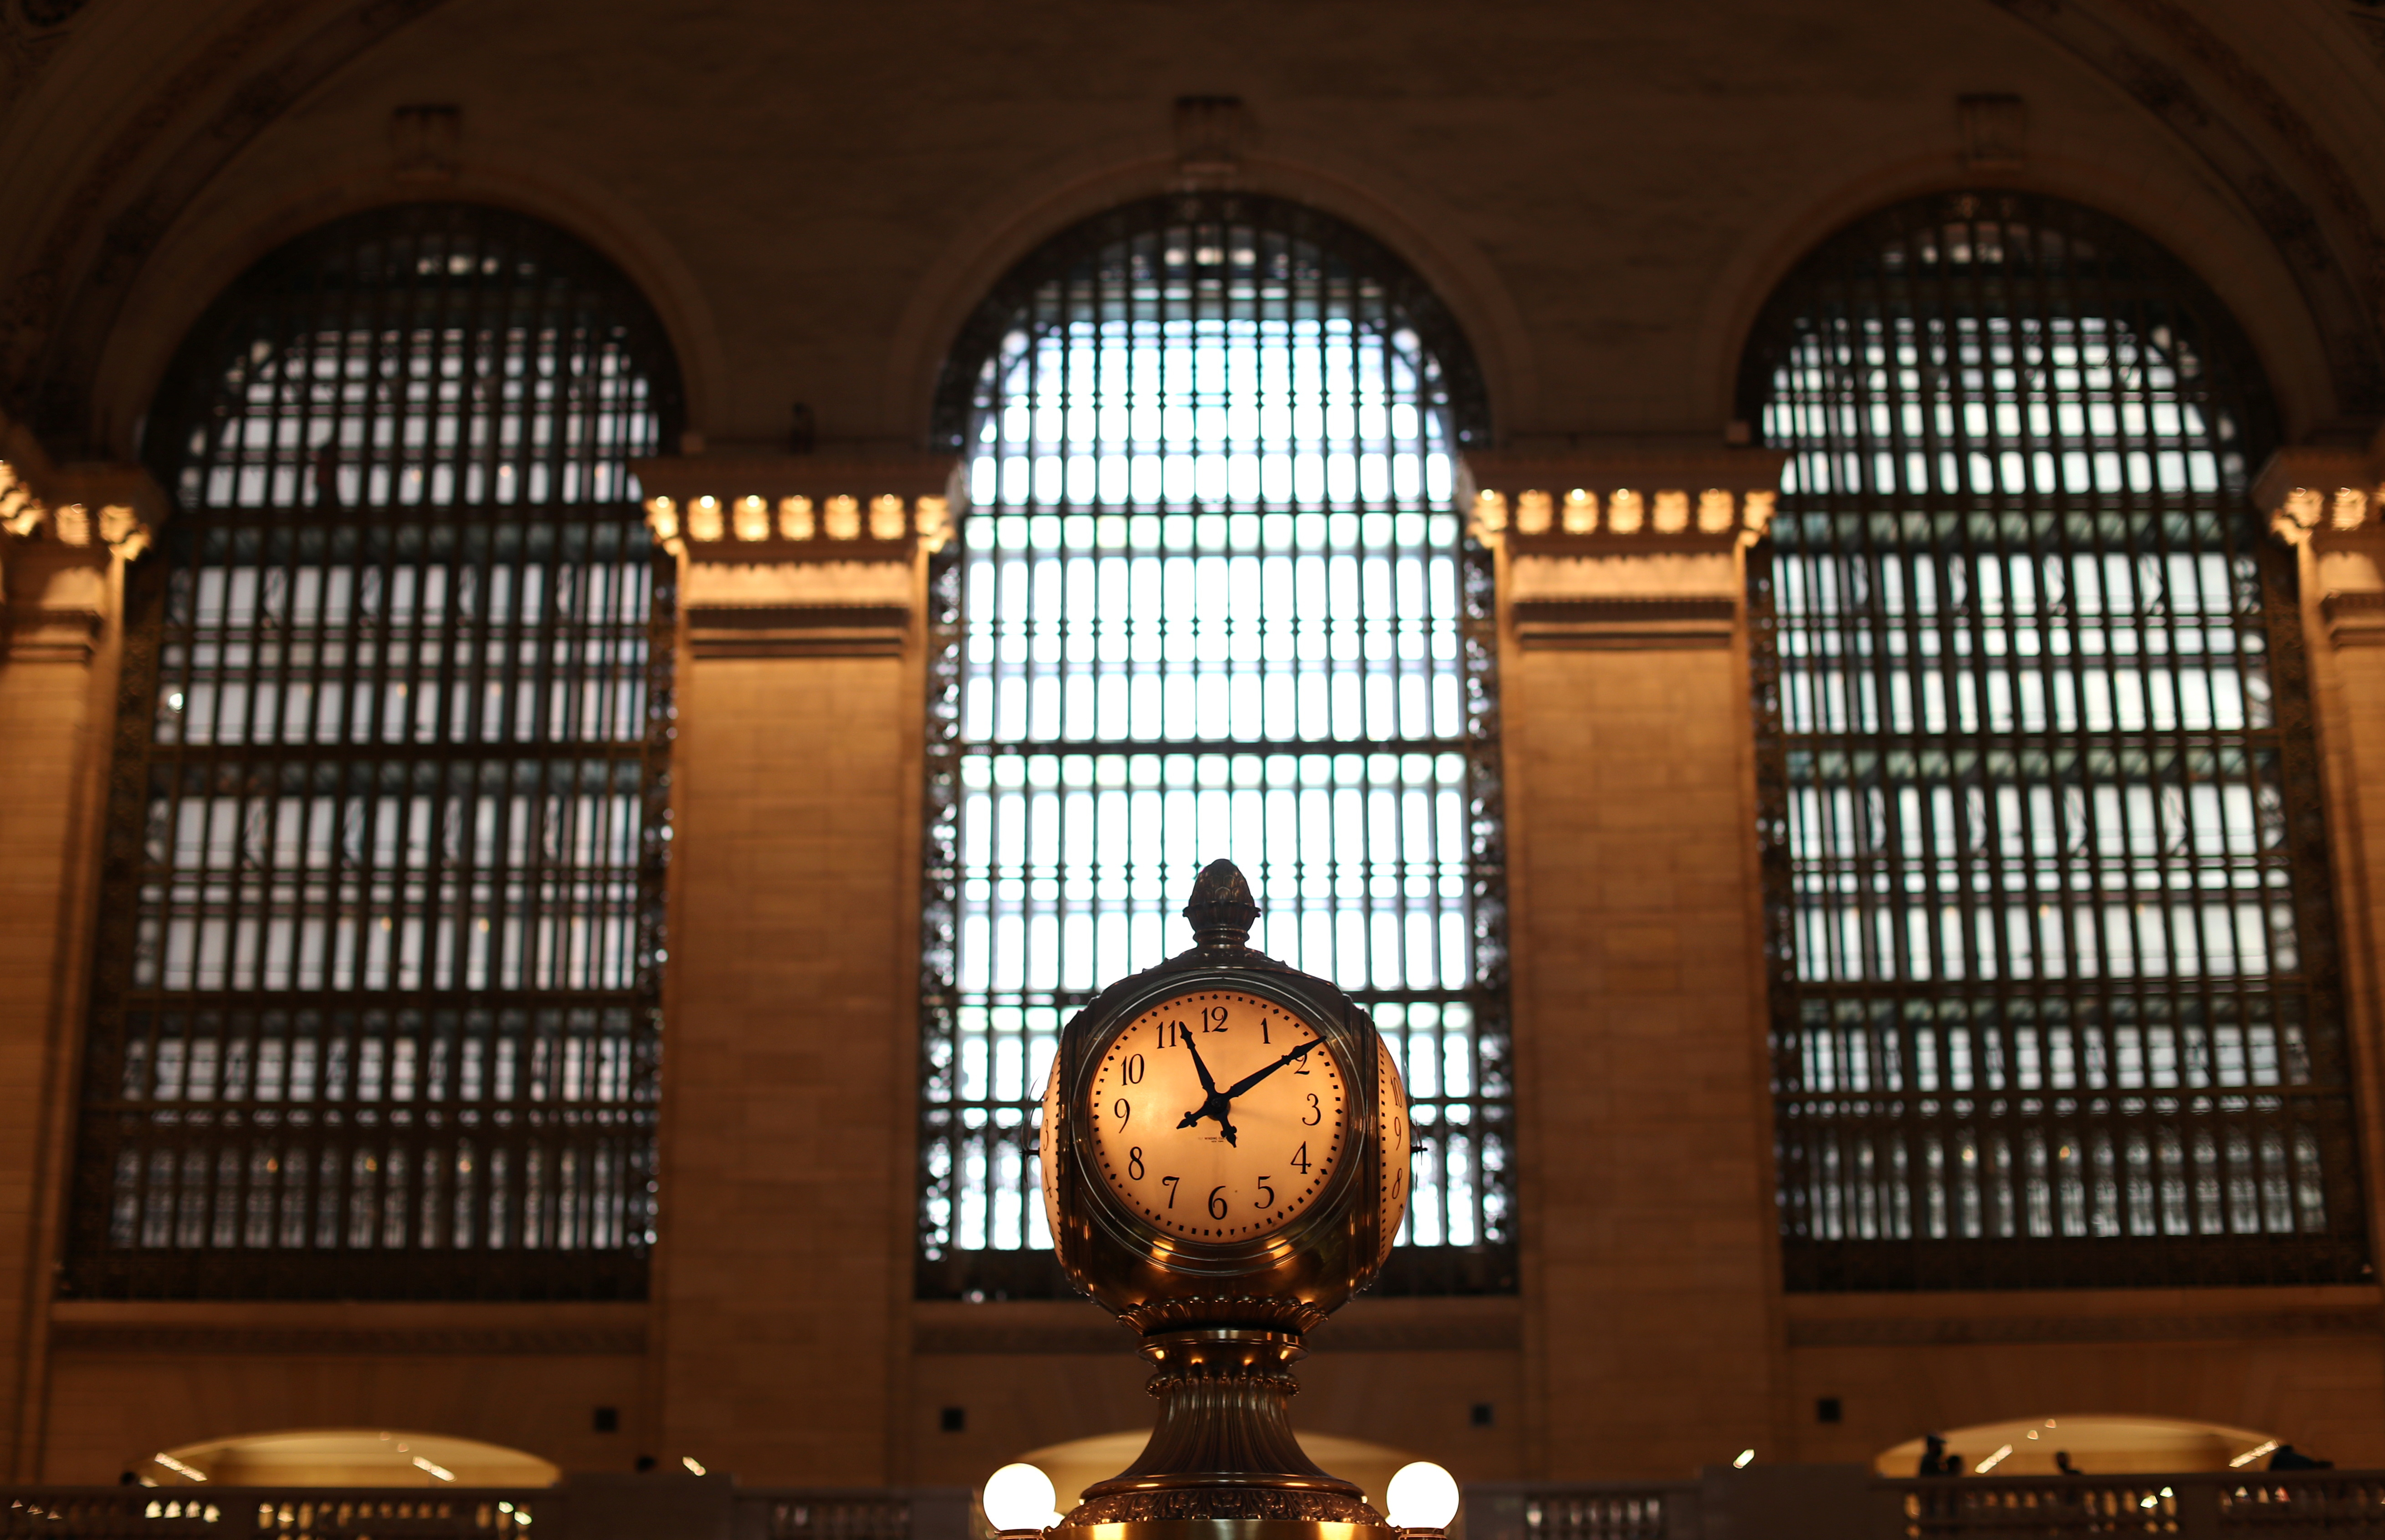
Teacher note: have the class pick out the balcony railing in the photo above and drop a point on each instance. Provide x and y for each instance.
(1777, 1502)
(1824, 1502)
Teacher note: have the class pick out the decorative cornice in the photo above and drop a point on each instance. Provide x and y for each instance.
(800, 507)
(1621, 504)
(2323, 497)
(93, 506)
(1625, 621)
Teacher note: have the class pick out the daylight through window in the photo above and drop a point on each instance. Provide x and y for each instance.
(2056, 1000)
(1211, 599)
(376, 1011)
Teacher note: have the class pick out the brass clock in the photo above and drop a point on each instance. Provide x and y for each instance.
(1225, 1162)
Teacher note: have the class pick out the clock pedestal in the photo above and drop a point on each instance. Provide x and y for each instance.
(1221, 1320)
(1223, 1461)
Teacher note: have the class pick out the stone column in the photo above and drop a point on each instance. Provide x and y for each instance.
(2330, 505)
(1650, 1254)
(783, 1268)
(65, 538)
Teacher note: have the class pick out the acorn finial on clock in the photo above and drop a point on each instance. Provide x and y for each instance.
(1221, 908)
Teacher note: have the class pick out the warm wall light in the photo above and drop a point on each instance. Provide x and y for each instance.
(1421, 1496)
(694, 1467)
(1746, 1457)
(1019, 1500)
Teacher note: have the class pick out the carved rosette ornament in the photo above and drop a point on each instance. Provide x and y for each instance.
(1225, 1155)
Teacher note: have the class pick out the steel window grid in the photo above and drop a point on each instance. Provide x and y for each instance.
(1972, 1107)
(1121, 284)
(376, 1004)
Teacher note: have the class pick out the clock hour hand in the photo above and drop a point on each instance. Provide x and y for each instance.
(1246, 1081)
(1215, 1105)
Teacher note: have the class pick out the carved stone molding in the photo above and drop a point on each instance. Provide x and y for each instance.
(799, 555)
(2331, 502)
(1621, 505)
(60, 530)
(1621, 551)
(2320, 496)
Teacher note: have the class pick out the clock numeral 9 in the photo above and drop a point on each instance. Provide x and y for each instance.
(1132, 1070)
(1122, 1110)
(1216, 1202)
(1134, 1164)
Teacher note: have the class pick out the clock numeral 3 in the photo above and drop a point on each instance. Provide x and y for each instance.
(1315, 1112)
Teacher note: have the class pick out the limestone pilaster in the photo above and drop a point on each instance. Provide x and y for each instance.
(2329, 505)
(66, 534)
(1650, 1305)
(783, 1269)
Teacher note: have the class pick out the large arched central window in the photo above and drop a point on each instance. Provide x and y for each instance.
(376, 1011)
(1211, 599)
(2055, 1000)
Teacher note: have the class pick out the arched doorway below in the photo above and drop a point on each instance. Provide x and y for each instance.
(344, 1456)
(2097, 1445)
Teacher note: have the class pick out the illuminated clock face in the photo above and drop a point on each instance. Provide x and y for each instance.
(1218, 1115)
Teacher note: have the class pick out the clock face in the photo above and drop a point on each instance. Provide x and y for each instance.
(1218, 1115)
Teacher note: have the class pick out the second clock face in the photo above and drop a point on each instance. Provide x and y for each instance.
(1218, 1115)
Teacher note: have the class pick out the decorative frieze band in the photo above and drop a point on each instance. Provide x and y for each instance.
(2321, 497)
(1622, 502)
(799, 555)
(1623, 551)
(60, 530)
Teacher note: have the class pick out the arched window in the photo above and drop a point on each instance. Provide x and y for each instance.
(1211, 599)
(2055, 992)
(376, 1009)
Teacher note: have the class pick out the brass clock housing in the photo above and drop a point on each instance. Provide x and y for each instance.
(1221, 1317)
(1293, 1276)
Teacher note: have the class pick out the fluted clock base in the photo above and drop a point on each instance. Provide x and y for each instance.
(1223, 1463)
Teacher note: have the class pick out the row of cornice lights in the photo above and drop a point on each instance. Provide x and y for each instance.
(1628, 511)
(21, 514)
(709, 518)
(2308, 509)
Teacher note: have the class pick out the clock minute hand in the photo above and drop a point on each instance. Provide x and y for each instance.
(1246, 1081)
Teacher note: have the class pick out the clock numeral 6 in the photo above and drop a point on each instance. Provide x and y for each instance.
(1134, 1162)
(1216, 1202)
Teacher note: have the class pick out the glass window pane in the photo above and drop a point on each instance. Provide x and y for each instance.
(2045, 869)
(377, 979)
(1192, 614)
